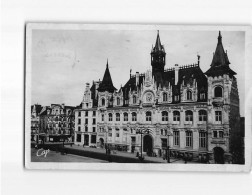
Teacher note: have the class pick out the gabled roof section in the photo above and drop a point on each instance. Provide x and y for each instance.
(220, 62)
(106, 84)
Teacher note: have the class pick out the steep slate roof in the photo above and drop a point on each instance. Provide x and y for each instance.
(186, 73)
(220, 62)
(37, 107)
(106, 84)
(158, 45)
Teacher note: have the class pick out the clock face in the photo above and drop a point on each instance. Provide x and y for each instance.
(148, 97)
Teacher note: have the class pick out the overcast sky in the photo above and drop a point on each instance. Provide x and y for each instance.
(64, 60)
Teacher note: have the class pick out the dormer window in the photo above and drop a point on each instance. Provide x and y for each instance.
(202, 96)
(134, 99)
(218, 92)
(189, 95)
(176, 98)
(118, 101)
(165, 97)
(103, 101)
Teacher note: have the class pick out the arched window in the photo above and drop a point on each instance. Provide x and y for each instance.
(134, 116)
(217, 92)
(202, 115)
(189, 95)
(125, 116)
(176, 116)
(117, 116)
(134, 99)
(118, 101)
(164, 97)
(110, 116)
(148, 116)
(103, 102)
(164, 116)
(189, 115)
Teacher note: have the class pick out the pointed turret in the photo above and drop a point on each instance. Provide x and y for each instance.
(220, 62)
(106, 84)
(220, 57)
(158, 45)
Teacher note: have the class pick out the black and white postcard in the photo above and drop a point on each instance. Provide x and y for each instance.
(137, 97)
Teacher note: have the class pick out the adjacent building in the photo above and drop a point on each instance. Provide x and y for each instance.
(57, 122)
(193, 112)
(35, 110)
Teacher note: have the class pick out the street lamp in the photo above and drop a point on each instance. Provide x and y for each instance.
(141, 132)
(168, 147)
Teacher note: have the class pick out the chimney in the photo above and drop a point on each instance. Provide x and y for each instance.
(176, 74)
(137, 78)
(87, 87)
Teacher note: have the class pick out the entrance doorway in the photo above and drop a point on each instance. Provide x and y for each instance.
(218, 155)
(86, 140)
(101, 140)
(148, 144)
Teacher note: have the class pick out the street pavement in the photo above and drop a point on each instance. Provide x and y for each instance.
(52, 156)
(129, 155)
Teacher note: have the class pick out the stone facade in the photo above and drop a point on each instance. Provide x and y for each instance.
(181, 107)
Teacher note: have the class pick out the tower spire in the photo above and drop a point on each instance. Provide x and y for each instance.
(158, 60)
(158, 46)
(107, 84)
(219, 38)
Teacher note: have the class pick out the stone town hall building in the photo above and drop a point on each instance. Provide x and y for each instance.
(199, 111)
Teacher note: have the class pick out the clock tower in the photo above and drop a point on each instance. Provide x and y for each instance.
(158, 60)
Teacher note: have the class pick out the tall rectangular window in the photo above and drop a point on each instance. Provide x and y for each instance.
(86, 121)
(94, 113)
(94, 121)
(110, 116)
(189, 115)
(134, 116)
(102, 117)
(79, 121)
(176, 138)
(93, 129)
(117, 117)
(79, 113)
(202, 115)
(189, 139)
(86, 113)
(218, 116)
(176, 116)
(86, 128)
(79, 128)
(202, 139)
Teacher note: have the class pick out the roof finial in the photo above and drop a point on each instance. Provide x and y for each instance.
(107, 63)
(130, 72)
